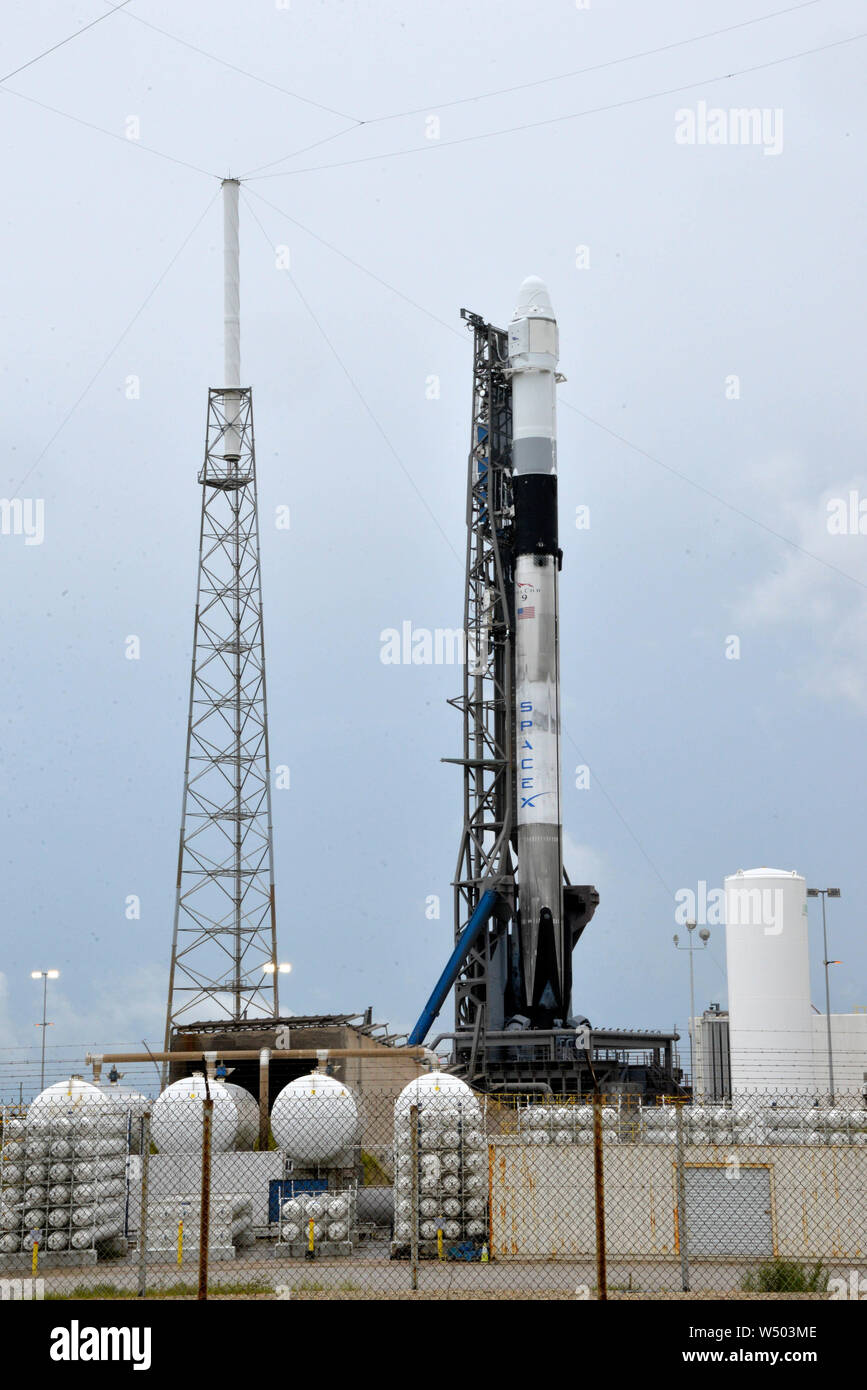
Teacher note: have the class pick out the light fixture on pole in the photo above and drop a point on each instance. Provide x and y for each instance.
(824, 893)
(704, 936)
(44, 976)
(272, 967)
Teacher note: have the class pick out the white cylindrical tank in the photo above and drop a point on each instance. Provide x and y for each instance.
(315, 1119)
(62, 1099)
(131, 1105)
(176, 1119)
(442, 1100)
(767, 958)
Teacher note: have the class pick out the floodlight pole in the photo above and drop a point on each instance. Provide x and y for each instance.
(45, 1023)
(823, 893)
(45, 976)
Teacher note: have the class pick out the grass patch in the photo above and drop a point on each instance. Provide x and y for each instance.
(235, 1289)
(786, 1276)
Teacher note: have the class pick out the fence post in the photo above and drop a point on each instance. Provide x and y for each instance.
(681, 1198)
(599, 1194)
(143, 1211)
(205, 1200)
(413, 1219)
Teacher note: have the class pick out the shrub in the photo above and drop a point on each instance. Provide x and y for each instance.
(786, 1276)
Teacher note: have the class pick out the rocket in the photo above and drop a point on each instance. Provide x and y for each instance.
(545, 953)
(512, 956)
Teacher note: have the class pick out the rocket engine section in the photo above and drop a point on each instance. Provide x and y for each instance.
(545, 951)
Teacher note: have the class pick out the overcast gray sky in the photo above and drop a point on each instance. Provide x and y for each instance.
(712, 336)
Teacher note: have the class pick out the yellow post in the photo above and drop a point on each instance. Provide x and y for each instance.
(34, 1263)
(310, 1241)
(180, 1241)
(440, 1255)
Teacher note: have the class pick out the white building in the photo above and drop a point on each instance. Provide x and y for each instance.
(848, 1052)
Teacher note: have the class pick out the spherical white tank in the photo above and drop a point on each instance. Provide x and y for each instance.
(315, 1119)
(176, 1120)
(767, 957)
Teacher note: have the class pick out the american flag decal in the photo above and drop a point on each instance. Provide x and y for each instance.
(527, 612)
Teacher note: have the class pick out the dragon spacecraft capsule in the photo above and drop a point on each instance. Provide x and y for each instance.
(533, 355)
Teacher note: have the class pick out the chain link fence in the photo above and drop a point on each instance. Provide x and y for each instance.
(433, 1191)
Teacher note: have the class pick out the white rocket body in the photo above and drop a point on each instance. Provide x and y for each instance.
(533, 356)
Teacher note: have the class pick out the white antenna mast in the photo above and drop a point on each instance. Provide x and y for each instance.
(231, 314)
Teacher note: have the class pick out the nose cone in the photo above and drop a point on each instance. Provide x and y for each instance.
(534, 300)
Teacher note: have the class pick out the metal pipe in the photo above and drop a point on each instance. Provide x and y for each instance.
(250, 1054)
(602, 1037)
(522, 1087)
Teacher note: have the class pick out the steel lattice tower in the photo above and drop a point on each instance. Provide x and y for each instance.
(224, 923)
(486, 703)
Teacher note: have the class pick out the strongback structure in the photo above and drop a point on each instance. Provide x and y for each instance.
(511, 1033)
(486, 704)
(224, 924)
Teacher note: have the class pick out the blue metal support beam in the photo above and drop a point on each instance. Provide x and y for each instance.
(465, 941)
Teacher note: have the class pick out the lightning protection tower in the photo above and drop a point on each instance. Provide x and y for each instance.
(224, 922)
